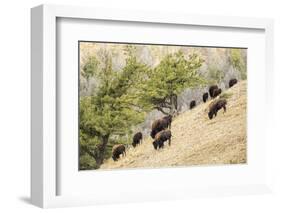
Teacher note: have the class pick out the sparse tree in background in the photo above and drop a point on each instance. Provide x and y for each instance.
(130, 51)
(238, 62)
(215, 75)
(160, 87)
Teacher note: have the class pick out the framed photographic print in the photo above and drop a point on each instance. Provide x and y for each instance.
(130, 106)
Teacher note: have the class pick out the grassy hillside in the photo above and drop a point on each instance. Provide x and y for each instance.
(196, 140)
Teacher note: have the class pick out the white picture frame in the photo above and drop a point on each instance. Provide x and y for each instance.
(44, 155)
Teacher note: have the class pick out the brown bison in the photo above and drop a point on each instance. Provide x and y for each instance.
(216, 92)
(160, 124)
(211, 90)
(205, 97)
(169, 119)
(192, 104)
(232, 82)
(161, 137)
(117, 150)
(137, 139)
(216, 106)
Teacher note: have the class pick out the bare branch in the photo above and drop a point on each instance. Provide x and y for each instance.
(161, 110)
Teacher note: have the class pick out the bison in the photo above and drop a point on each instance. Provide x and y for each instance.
(160, 124)
(137, 139)
(216, 106)
(232, 82)
(192, 104)
(216, 92)
(161, 137)
(168, 118)
(205, 97)
(211, 90)
(117, 150)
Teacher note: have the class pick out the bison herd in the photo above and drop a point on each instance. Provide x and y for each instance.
(214, 91)
(161, 128)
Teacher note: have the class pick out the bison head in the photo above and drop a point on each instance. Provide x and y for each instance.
(210, 114)
(114, 158)
(155, 145)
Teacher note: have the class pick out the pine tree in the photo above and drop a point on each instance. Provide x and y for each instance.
(160, 87)
(108, 114)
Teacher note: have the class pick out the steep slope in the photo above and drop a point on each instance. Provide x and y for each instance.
(196, 140)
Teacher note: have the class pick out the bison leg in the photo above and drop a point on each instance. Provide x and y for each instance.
(158, 146)
(170, 142)
(224, 108)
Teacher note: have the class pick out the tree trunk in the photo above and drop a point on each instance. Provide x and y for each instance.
(174, 104)
(99, 154)
(162, 110)
(102, 150)
(170, 104)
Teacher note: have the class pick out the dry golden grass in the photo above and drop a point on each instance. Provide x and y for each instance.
(196, 140)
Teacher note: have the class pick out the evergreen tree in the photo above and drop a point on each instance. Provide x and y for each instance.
(108, 115)
(159, 87)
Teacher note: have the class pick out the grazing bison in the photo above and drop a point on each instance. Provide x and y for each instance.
(137, 139)
(192, 104)
(216, 92)
(232, 82)
(211, 90)
(216, 106)
(160, 124)
(161, 137)
(205, 97)
(117, 150)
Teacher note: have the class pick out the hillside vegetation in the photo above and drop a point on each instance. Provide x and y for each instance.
(125, 87)
(196, 140)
